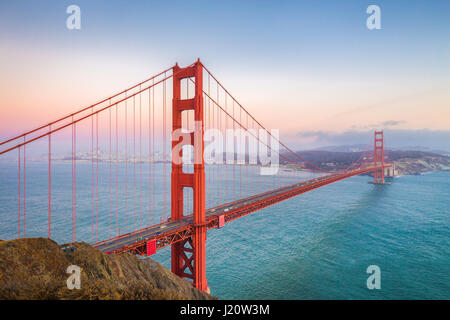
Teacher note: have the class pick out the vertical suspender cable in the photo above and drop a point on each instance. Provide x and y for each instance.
(134, 163)
(149, 159)
(18, 229)
(24, 185)
(126, 162)
(110, 160)
(218, 128)
(72, 177)
(49, 183)
(96, 172)
(164, 150)
(75, 183)
(92, 174)
(140, 158)
(117, 169)
(153, 149)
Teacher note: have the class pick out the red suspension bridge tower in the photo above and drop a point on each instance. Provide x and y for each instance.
(188, 256)
(378, 157)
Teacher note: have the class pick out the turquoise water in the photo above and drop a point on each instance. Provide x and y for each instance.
(319, 245)
(315, 246)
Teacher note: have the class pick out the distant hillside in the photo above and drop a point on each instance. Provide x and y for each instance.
(362, 147)
(35, 268)
(417, 162)
(407, 162)
(344, 148)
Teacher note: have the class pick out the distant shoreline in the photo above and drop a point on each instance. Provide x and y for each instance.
(406, 162)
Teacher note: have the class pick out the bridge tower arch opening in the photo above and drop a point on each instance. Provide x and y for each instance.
(188, 255)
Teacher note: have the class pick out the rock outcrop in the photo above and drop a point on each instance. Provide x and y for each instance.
(36, 268)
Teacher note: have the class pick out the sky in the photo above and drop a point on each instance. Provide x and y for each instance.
(309, 68)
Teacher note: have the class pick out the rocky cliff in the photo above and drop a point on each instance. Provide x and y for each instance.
(36, 268)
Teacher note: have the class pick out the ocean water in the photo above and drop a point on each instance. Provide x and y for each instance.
(315, 246)
(318, 245)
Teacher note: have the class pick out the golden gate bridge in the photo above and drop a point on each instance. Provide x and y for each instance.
(135, 128)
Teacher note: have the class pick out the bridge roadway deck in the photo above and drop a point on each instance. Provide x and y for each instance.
(173, 231)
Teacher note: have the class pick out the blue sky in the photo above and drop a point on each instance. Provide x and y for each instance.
(315, 60)
(285, 33)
